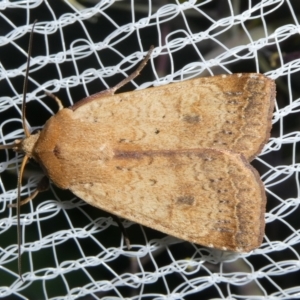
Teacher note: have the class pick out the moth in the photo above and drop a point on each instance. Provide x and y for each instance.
(174, 158)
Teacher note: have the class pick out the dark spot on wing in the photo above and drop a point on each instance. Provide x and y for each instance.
(191, 119)
(189, 200)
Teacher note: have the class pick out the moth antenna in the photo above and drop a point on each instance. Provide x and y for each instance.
(25, 84)
(25, 159)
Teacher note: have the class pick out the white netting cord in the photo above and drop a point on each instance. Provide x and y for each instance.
(79, 249)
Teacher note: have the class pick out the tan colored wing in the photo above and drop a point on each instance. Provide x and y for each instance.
(209, 197)
(140, 155)
(230, 112)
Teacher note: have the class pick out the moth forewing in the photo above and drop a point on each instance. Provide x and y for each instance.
(206, 196)
(231, 112)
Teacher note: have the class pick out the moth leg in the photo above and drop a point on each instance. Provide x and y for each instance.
(123, 229)
(58, 101)
(135, 73)
(42, 186)
(112, 90)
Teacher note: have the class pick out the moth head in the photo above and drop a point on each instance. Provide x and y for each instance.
(24, 146)
(27, 144)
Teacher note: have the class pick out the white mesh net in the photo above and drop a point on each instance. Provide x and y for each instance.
(72, 250)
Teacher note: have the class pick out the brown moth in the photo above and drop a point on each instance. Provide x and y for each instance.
(174, 158)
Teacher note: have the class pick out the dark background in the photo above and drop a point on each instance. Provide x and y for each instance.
(81, 214)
